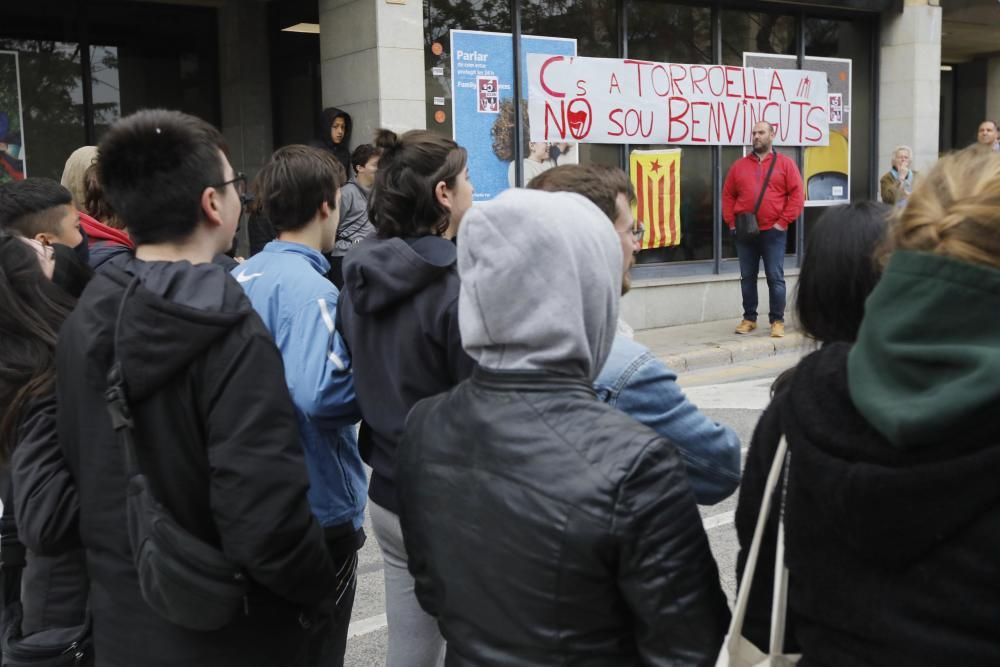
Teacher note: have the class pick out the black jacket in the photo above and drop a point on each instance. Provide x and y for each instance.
(45, 505)
(892, 551)
(341, 151)
(217, 437)
(544, 527)
(398, 313)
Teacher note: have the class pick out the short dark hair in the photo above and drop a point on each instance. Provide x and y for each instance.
(840, 269)
(599, 183)
(294, 183)
(996, 126)
(31, 206)
(363, 153)
(154, 166)
(403, 202)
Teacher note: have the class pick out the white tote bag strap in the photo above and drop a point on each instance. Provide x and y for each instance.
(743, 596)
(779, 601)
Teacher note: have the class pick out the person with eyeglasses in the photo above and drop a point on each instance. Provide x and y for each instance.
(214, 424)
(633, 379)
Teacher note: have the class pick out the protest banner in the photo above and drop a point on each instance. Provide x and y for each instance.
(656, 180)
(13, 165)
(482, 92)
(621, 101)
(826, 169)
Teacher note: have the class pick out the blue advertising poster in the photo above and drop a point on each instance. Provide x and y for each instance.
(482, 92)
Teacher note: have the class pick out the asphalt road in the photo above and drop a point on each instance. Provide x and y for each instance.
(733, 395)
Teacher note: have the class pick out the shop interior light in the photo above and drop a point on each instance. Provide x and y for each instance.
(945, 68)
(310, 28)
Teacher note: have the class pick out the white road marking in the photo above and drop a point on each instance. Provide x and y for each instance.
(717, 520)
(367, 625)
(745, 395)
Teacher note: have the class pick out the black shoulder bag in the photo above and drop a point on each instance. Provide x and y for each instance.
(747, 228)
(185, 580)
(52, 647)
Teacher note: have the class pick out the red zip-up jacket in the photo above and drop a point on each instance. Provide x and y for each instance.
(783, 200)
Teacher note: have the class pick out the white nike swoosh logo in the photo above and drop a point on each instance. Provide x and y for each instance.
(247, 277)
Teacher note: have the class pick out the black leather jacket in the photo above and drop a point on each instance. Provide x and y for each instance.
(544, 527)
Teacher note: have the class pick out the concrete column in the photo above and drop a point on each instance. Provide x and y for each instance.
(993, 89)
(910, 82)
(372, 63)
(245, 80)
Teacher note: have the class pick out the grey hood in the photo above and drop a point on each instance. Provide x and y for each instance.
(541, 277)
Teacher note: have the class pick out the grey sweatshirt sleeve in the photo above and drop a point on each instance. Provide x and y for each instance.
(354, 224)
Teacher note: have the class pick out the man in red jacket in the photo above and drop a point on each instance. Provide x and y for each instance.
(781, 205)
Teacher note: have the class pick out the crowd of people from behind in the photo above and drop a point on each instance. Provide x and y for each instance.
(183, 471)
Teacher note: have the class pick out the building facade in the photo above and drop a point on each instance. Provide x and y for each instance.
(920, 74)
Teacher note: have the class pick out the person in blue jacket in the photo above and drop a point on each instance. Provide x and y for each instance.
(633, 379)
(299, 191)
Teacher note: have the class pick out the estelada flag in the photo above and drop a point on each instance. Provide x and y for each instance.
(656, 177)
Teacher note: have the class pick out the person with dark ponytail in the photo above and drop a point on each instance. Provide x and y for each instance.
(398, 314)
(38, 492)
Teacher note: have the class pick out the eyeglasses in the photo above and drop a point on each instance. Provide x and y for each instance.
(638, 232)
(239, 182)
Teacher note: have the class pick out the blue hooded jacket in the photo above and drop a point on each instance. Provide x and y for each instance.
(286, 286)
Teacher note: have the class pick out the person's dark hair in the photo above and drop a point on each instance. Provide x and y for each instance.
(839, 270)
(95, 203)
(294, 183)
(599, 183)
(154, 166)
(32, 206)
(32, 309)
(362, 154)
(403, 202)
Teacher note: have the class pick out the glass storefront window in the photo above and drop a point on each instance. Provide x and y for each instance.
(440, 18)
(594, 26)
(832, 38)
(52, 103)
(757, 32)
(173, 63)
(679, 34)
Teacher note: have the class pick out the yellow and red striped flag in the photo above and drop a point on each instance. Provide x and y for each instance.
(656, 177)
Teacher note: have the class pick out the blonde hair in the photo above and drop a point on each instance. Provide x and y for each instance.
(954, 210)
(74, 172)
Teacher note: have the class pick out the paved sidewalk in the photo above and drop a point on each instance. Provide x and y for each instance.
(707, 344)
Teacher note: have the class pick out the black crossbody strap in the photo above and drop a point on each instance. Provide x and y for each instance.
(116, 395)
(767, 179)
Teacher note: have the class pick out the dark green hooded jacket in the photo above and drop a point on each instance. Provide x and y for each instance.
(926, 366)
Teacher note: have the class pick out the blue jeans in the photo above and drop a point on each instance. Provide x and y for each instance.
(769, 246)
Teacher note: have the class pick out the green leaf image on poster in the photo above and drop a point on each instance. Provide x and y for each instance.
(13, 163)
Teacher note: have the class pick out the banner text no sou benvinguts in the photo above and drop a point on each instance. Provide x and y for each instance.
(615, 101)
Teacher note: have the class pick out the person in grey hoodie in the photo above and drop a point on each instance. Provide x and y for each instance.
(398, 314)
(354, 225)
(544, 526)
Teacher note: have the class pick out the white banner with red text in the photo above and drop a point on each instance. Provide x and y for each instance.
(627, 101)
